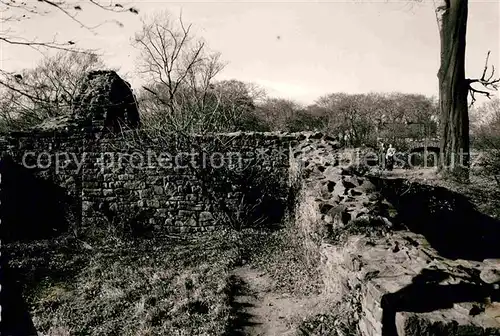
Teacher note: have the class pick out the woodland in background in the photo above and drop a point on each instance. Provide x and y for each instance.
(181, 93)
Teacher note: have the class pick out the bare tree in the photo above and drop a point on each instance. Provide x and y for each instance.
(182, 70)
(236, 107)
(238, 102)
(277, 112)
(45, 91)
(401, 115)
(361, 118)
(350, 116)
(454, 87)
(18, 11)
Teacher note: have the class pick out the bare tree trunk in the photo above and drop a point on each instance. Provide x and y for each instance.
(453, 88)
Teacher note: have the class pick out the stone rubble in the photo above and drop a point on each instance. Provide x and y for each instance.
(392, 280)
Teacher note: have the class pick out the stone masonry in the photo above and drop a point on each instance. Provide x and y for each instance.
(107, 187)
(93, 157)
(390, 279)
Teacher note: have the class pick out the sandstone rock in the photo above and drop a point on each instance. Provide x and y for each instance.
(347, 171)
(349, 182)
(340, 213)
(317, 135)
(493, 310)
(367, 186)
(325, 208)
(330, 139)
(354, 192)
(450, 322)
(327, 219)
(357, 170)
(490, 275)
(345, 217)
(374, 197)
(360, 214)
(206, 216)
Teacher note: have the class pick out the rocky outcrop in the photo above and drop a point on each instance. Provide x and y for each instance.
(105, 99)
(375, 259)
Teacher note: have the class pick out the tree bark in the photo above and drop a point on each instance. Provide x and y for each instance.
(453, 88)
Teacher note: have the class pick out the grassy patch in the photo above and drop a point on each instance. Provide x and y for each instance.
(280, 255)
(140, 287)
(334, 322)
(482, 191)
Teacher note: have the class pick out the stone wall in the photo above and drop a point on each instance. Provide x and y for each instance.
(37, 200)
(162, 195)
(99, 187)
(399, 258)
(99, 174)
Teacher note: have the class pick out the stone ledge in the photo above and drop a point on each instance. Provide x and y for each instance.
(455, 321)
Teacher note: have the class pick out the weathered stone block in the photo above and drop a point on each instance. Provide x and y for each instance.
(186, 213)
(192, 222)
(206, 216)
(153, 203)
(87, 205)
(158, 190)
(107, 192)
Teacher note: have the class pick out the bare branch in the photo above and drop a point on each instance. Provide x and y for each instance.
(69, 10)
(48, 89)
(182, 69)
(49, 45)
(488, 83)
(117, 8)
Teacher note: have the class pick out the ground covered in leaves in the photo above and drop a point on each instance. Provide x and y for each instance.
(140, 287)
(483, 190)
(165, 286)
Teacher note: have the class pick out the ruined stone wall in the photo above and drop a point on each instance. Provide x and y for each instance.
(91, 173)
(400, 258)
(39, 200)
(102, 188)
(162, 195)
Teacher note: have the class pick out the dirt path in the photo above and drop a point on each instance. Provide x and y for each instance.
(259, 311)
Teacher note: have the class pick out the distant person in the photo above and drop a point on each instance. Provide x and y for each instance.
(381, 155)
(389, 157)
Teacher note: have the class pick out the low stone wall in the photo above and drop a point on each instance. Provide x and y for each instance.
(388, 279)
(167, 196)
(106, 187)
(37, 200)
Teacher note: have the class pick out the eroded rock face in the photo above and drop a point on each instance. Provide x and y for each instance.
(390, 281)
(105, 99)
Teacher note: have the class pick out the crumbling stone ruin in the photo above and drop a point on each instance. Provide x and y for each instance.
(105, 102)
(382, 247)
(385, 263)
(106, 98)
(113, 182)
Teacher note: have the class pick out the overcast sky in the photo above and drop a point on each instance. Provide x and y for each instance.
(297, 50)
